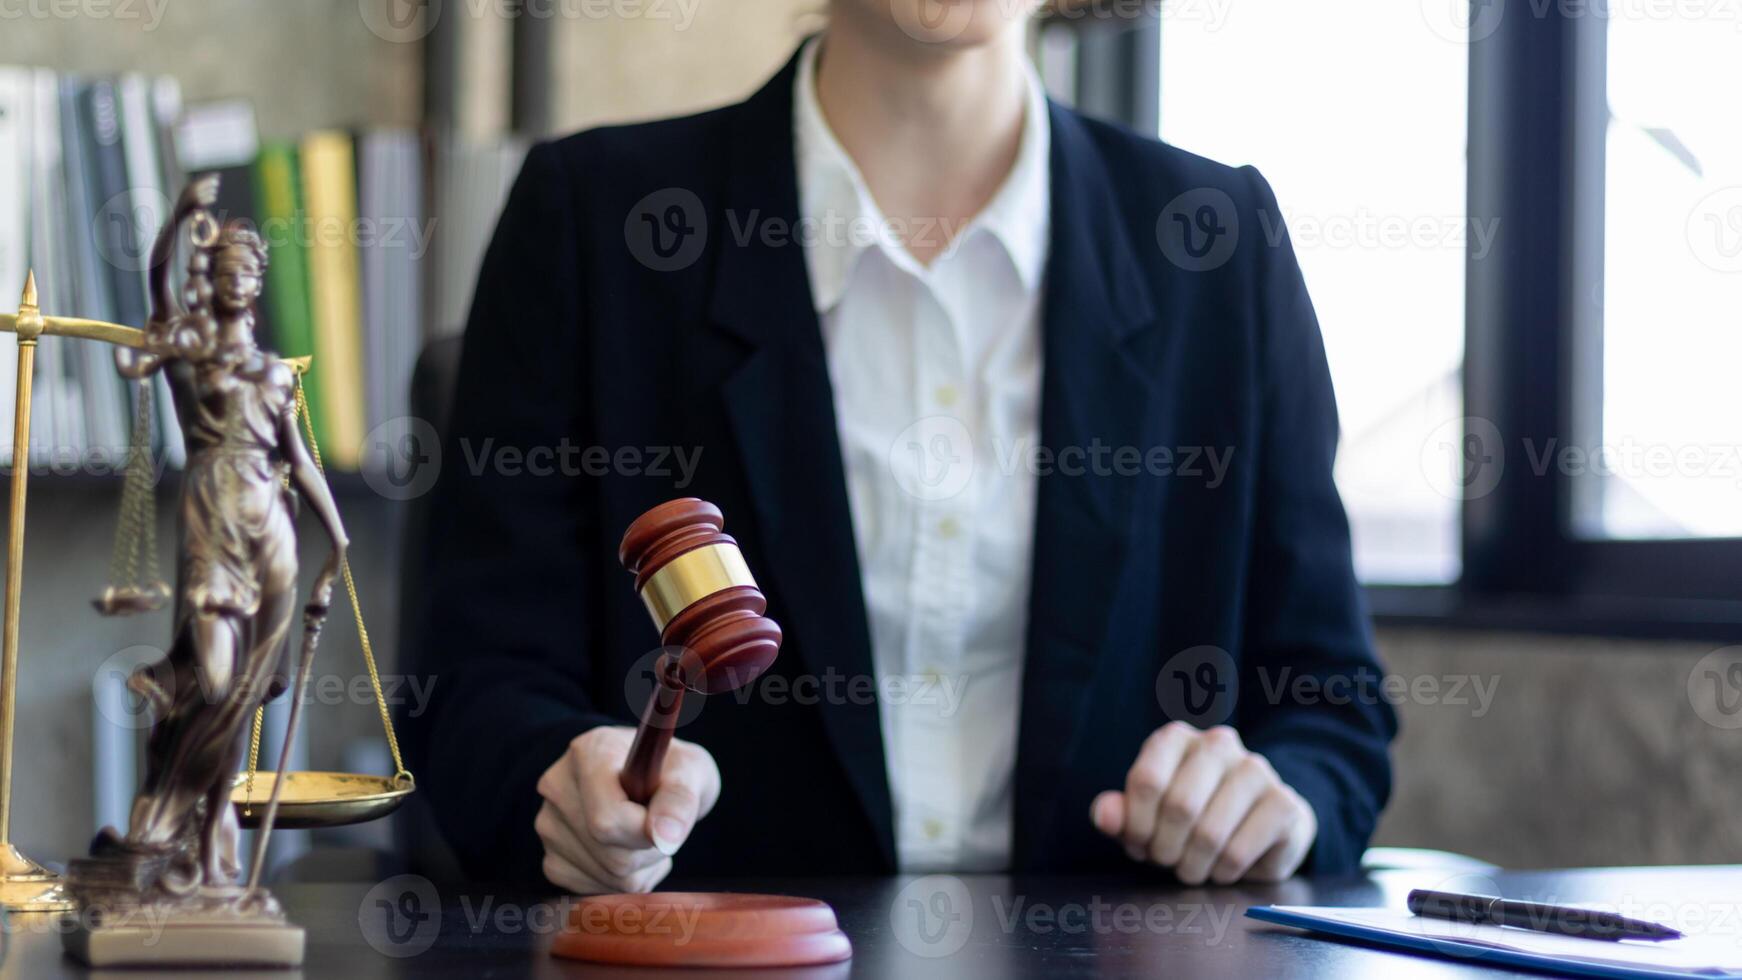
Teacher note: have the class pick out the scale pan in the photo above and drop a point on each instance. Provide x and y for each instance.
(318, 799)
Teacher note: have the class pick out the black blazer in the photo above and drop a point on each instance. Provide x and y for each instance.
(588, 336)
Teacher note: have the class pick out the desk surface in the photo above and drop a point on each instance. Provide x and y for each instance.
(968, 926)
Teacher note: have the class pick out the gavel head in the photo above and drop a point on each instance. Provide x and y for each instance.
(697, 588)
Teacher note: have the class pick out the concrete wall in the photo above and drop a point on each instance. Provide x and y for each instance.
(657, 66)
(304, 63)
(1591, 751)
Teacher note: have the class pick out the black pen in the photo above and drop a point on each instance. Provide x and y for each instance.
(1561, 920)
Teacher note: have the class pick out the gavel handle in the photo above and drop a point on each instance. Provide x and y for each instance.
(640, 776)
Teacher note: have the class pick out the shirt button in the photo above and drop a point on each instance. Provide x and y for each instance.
(933, 829)
(945, 395)
(948, 528)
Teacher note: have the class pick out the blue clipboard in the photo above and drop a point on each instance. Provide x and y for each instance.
(1477, 952)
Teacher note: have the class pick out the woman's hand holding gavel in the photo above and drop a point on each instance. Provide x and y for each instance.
(595, 838)
(620, 801)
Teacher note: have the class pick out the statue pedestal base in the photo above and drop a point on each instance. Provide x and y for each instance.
(181, 942)
(132, 913)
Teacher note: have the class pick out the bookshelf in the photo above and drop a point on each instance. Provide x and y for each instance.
(302, 68)
(455, 104)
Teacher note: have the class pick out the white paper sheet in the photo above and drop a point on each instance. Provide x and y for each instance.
(1718, 952)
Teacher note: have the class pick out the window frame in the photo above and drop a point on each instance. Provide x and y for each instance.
(1537, 124)
(1533, 362)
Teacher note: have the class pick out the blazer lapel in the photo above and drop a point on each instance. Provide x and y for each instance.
(1093, 394)
(780, 405)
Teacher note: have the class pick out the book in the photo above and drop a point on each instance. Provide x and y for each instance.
(223, 138)
(278, 195)
(166, 112)
(473, 179)
(87, 287)
(89, 168)
(56, 414)
(216, 135)
(150, 206)
(115, 293)
(390, 200)
(15, 102)
(329, 186)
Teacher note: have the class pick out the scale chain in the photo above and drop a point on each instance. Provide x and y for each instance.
(399, 770)
(136, 542)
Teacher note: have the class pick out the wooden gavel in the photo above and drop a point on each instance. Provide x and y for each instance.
(708, 611)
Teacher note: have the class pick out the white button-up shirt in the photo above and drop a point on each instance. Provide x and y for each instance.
(936, 372)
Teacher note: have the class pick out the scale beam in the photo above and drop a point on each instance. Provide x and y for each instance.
(99, 330)
(66, 326)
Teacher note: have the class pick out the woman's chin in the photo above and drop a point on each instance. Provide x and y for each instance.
(954, 24)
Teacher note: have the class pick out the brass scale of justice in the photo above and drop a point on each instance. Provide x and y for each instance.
(309, 799)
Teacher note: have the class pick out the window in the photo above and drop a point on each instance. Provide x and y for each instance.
(1522, 228)
(1662, 403)
(1356, 113)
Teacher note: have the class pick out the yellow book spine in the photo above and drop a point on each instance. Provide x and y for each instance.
(335, 291)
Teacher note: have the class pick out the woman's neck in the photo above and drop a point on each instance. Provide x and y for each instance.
(934, 130)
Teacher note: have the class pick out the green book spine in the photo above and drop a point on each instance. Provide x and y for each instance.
(284, 223)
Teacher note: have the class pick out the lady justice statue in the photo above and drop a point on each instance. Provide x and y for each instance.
(235, 593)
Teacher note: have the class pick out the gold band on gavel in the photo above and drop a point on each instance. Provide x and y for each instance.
(692, 576)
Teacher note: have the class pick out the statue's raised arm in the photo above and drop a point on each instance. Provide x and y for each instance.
(195, 204)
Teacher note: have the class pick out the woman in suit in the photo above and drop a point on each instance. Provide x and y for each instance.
(1023, 423)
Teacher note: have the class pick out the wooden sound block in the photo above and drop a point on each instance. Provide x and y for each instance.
(703, 929)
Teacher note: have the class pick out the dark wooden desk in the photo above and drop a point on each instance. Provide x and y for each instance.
(973, 926)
